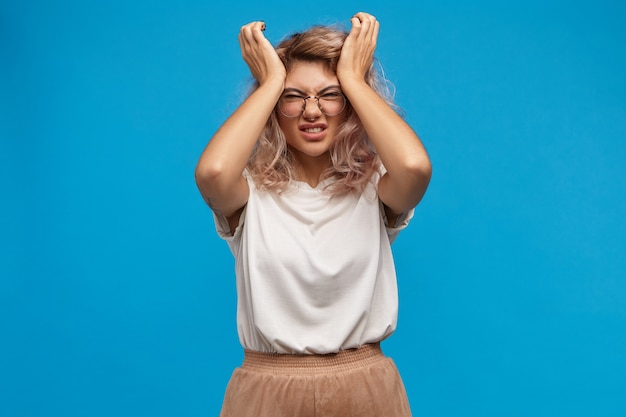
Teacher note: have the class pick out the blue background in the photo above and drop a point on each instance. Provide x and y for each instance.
(117, 297)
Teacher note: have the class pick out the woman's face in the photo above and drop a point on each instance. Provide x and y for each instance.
(310, 134)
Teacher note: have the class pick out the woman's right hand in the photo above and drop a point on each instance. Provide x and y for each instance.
(259, 54)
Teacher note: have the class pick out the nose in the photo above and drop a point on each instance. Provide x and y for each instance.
(313, 111)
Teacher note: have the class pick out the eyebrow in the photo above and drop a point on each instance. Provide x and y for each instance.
(322, 91)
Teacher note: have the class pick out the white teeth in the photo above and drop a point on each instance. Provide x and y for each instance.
(313, 130)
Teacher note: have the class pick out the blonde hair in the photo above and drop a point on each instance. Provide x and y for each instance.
(354, 160)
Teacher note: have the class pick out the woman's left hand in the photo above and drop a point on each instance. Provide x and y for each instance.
(357, 54)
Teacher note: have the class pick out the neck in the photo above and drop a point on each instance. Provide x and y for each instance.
(310, 169)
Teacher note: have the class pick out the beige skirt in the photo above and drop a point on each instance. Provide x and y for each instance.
(352, 383)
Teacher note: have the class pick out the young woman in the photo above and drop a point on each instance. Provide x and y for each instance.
(310, 180)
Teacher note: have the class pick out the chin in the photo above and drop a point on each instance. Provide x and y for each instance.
(310, 151)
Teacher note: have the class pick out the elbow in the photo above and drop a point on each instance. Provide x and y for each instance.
(420, 169)
(208, 173)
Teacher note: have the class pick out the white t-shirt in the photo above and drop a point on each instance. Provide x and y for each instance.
(315, 272)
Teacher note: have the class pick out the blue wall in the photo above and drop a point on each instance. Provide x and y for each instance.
(117, 297)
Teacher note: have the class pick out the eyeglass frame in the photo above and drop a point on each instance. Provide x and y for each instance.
(305, 101)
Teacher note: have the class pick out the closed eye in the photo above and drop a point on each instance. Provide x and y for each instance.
(292, 97)
(331, 95)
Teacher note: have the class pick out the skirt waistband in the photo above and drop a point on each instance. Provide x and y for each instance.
(341, 361)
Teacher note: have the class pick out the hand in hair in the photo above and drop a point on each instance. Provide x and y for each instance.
(259, 53)
(357, 54)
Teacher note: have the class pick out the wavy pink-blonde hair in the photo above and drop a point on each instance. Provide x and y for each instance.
(354, 159)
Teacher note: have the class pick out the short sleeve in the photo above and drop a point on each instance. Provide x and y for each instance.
(403, 219)
(223, 229)
(401, 222)
(221, 222)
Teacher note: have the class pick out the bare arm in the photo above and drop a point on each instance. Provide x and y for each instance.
(401, 151)
(220, 168)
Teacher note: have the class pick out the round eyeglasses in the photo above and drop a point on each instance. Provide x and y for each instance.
(331, 103)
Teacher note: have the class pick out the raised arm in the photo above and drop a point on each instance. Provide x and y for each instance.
(221, 165)
(401, 151)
